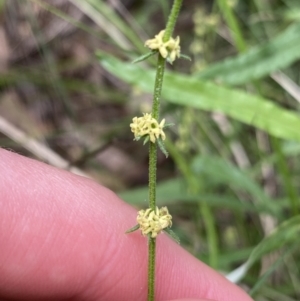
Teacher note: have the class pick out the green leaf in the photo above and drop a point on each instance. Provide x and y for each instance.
(168, 125)
(188, 91)
(144, 57)
(259, 61)
(184, 56)
(134, 228)
(172, 234)
(110, 21)
(162, 147)
(147, 138)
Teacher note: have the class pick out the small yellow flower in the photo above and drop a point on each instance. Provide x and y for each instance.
(168, 50)
(158, 43)
(174, 49)
(154, 221)
(146, 125)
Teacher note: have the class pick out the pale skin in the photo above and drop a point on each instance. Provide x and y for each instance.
(62, 238)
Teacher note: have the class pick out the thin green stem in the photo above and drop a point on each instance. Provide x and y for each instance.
(172, 20)
(152, 175)
(160, 69)
(161, 62)
(151, 269)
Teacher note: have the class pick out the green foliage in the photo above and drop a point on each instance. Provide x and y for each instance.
(222, 206)
(218, 171)
(284, 235)
(144, 57)
(188, 91)
(211, 183)
(258, 62)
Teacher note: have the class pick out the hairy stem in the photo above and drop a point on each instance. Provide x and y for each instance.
(172, 19)
(151, 269)
(152, 174)
(153, 147)
(160, 69)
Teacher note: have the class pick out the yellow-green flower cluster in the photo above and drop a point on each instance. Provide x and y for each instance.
(147, 125)
(154, 221)
(169, 50)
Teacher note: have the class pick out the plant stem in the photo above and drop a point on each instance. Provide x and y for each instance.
(153, 147)
(152, 174)
(151, 269)
(160, 69)
(172, 19)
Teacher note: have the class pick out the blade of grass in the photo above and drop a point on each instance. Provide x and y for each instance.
(229, 15)
(112, 31)
(259, 61)
(285, 234)
(221, 171)
(60, 92)
(284, 171)
(117, 28)
(67, 18)
(187, 91)
(262, 280)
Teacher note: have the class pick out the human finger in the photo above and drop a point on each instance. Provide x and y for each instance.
(62, 237)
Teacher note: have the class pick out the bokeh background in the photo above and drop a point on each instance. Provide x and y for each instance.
(68, 92)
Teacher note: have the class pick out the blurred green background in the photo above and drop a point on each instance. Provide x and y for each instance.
(68, 93)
